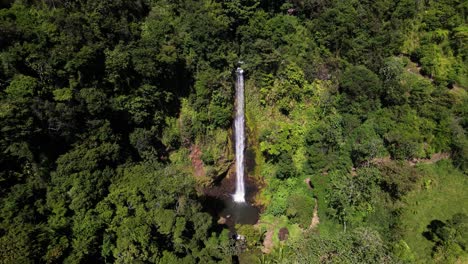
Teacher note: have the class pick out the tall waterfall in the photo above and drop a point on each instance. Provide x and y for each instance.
(239, 196)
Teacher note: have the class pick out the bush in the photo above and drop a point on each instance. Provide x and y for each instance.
(300, 209)
(398, 178)
(252, 235)
(207, 157)
(285, 167)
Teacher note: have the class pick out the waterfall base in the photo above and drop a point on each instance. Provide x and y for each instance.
(239, 197)
(239, 213)
(220, 201)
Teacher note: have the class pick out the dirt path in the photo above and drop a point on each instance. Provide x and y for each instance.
(197, 163)
(268, 241)
(315, 217)
(433, 159)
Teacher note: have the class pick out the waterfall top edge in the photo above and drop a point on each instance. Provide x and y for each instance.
(239, 70)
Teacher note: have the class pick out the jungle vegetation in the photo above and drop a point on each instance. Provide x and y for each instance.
(102, 103)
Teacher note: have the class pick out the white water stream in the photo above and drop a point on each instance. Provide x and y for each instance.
(239, 126)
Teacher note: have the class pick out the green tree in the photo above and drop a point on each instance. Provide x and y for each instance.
(450, 238)
(361, 90)
(350, 197)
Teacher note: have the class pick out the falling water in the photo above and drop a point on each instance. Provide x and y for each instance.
(239, 196)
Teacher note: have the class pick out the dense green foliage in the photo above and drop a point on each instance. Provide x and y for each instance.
(104, 104)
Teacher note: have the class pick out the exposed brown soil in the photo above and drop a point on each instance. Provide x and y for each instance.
(268, 242)
(315, 217)
(379, 161)
(197, 163)
(309, 184)
(434, 158)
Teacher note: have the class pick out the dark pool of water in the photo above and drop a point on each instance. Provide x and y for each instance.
(218, 201)
(239, 213)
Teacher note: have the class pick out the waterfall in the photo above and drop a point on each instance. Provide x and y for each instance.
(239, 196)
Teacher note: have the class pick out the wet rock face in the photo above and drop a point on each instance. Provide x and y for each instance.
(283, 234)
(222, 220)
(250, 161)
